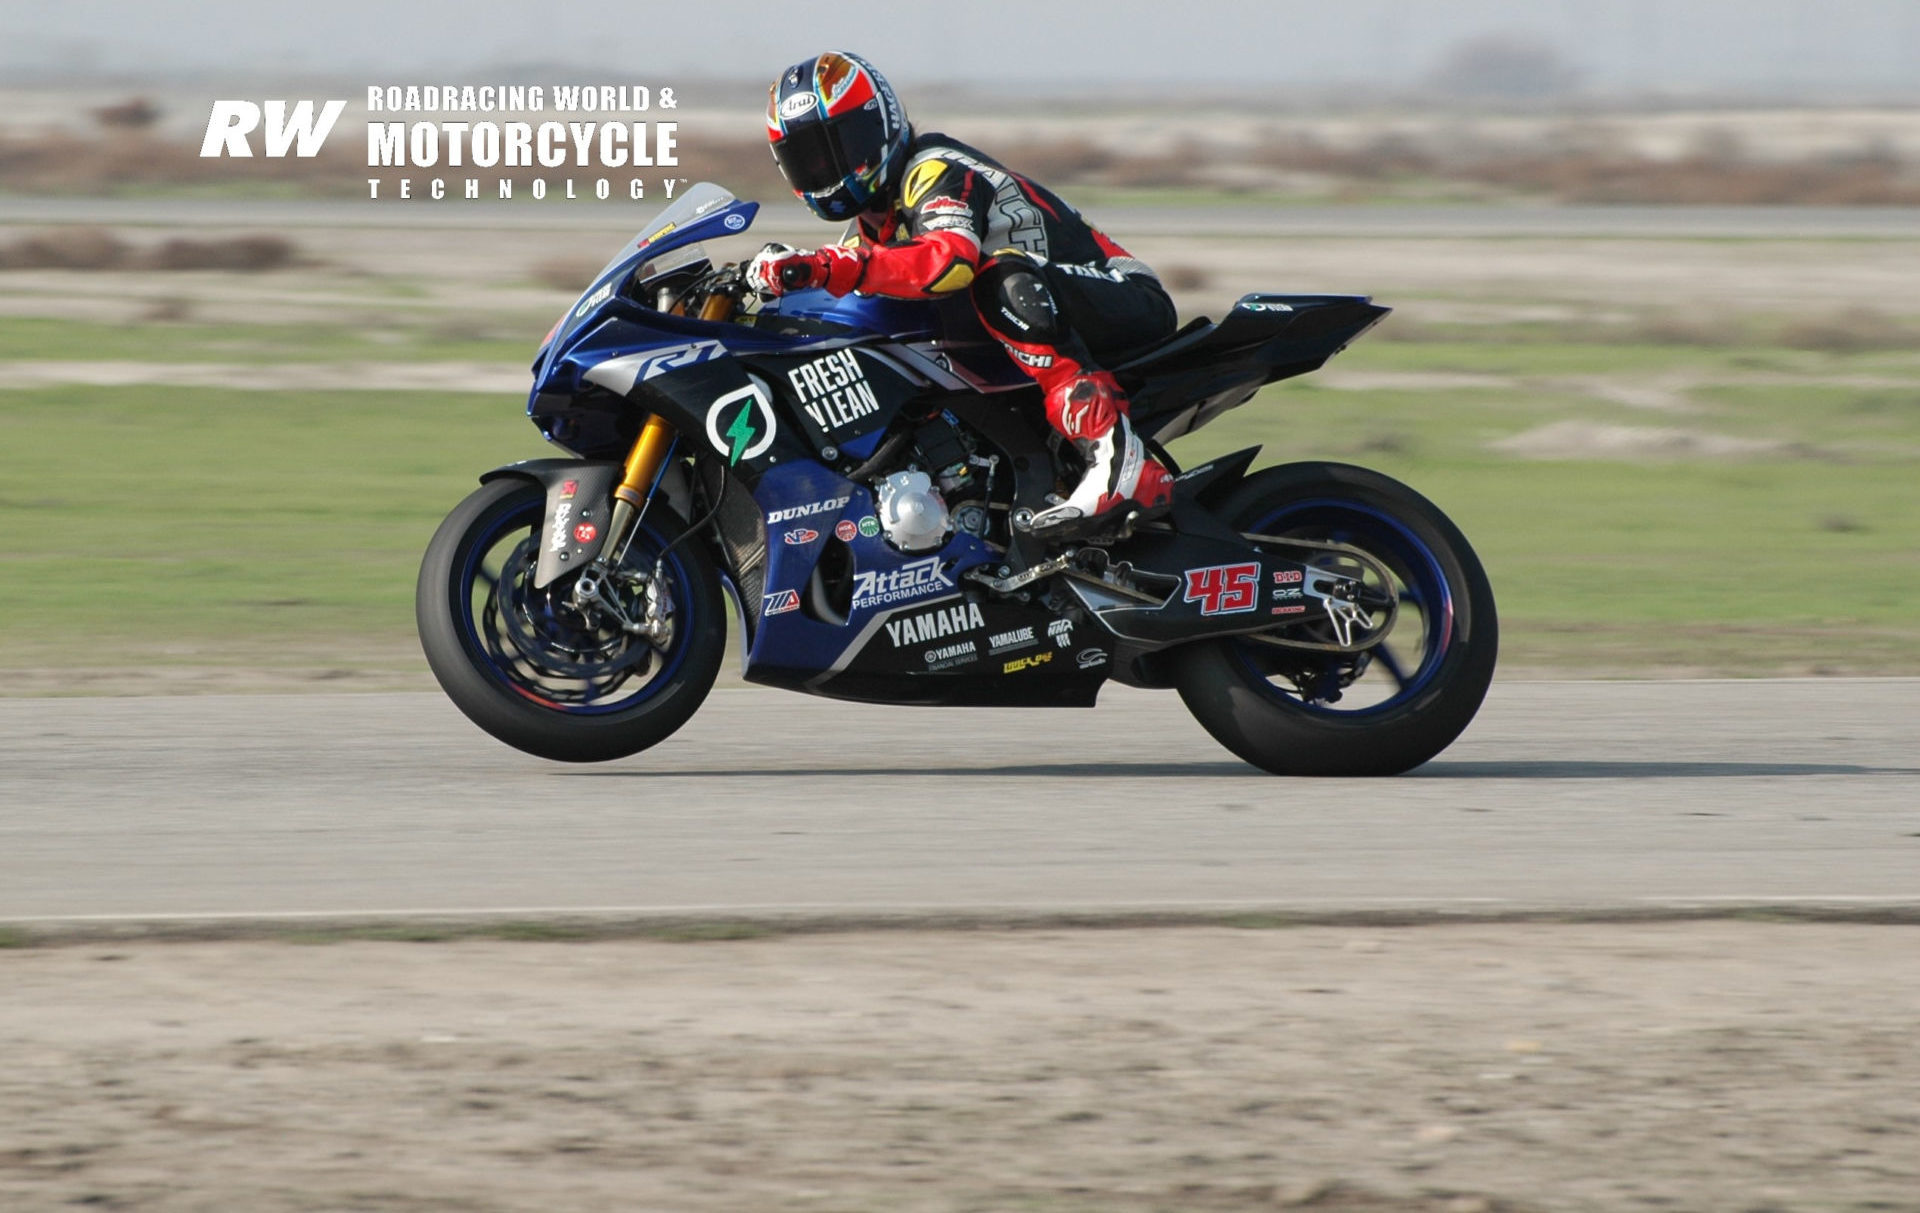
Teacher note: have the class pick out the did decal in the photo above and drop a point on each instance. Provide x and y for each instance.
(915, 579)
(947, 621)
(1224, 589)
(834, 391)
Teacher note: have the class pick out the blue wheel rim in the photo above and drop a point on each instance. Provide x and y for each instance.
(1423, 590)
(645, 547)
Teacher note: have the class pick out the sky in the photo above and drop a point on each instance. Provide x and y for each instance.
(1813, 48)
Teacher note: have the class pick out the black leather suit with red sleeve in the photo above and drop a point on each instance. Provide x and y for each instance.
(1057, 292)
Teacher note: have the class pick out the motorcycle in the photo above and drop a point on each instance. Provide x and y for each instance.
(854, 478)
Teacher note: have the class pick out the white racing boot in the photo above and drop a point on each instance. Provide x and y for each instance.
(1120, 476)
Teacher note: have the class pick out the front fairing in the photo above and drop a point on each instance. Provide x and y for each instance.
(705, 211)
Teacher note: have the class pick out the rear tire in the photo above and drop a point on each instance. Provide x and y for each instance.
(1271, 706)
(544, 679)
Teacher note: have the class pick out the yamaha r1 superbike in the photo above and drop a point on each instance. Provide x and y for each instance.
(858, 476)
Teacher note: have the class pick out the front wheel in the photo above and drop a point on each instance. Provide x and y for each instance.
(1379, 711)
(546, 674)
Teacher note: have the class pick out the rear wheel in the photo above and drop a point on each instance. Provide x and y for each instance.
(1382, 710)
(544, 674)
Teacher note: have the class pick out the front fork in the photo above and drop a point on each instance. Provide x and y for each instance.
(646, 463)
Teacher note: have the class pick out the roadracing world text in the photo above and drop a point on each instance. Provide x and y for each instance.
(479, 157)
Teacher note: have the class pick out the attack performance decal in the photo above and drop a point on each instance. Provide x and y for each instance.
(740, 424)
(932, 625)
(1224, 589)
(915, 579)
(834, 391)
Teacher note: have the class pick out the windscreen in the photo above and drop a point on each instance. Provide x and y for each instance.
(700, 199)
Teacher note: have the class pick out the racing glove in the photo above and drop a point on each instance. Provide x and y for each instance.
(777, 269)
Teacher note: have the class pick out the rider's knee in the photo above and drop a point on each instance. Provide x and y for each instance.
(1014, 300)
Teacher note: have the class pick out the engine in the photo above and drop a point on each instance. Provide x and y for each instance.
(912, 512)
(946, 485)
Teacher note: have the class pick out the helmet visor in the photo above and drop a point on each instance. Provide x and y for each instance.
(820, 155)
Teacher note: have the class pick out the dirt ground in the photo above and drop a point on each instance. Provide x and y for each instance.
(1737, 1066)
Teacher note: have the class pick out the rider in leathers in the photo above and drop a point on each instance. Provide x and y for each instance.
(931, 215)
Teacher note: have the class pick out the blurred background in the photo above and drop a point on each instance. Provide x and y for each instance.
(1655, 267)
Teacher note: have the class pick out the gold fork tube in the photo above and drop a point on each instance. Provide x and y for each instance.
(643, 466)
(644, 460)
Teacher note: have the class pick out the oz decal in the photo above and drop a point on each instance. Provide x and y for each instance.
(1224, 589)
(740, 424)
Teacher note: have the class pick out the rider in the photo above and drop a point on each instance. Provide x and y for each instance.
(931, 216)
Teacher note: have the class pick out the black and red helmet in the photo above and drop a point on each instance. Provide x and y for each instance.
(838, 133)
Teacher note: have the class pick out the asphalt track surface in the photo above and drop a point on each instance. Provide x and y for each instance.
(781, 216)
(1569, 796)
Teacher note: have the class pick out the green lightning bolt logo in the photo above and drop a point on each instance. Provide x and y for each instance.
(740, 433)
(750, 428)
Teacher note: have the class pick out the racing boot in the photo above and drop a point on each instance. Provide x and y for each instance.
(1121, 478)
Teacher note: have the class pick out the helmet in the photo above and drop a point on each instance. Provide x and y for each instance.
(838, 133)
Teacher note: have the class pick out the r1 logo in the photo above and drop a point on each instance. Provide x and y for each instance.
(1224, 589)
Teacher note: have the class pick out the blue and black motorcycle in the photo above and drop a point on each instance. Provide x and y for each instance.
(857, 476)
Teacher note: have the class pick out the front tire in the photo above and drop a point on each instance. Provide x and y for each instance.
(543, 677)
(1382, 712)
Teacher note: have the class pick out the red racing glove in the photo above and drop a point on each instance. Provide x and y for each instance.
(777, 269)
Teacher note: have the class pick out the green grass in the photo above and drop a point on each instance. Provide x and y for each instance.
(40, 339)
(212, 526)
(1807, 561)
(158, 526)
